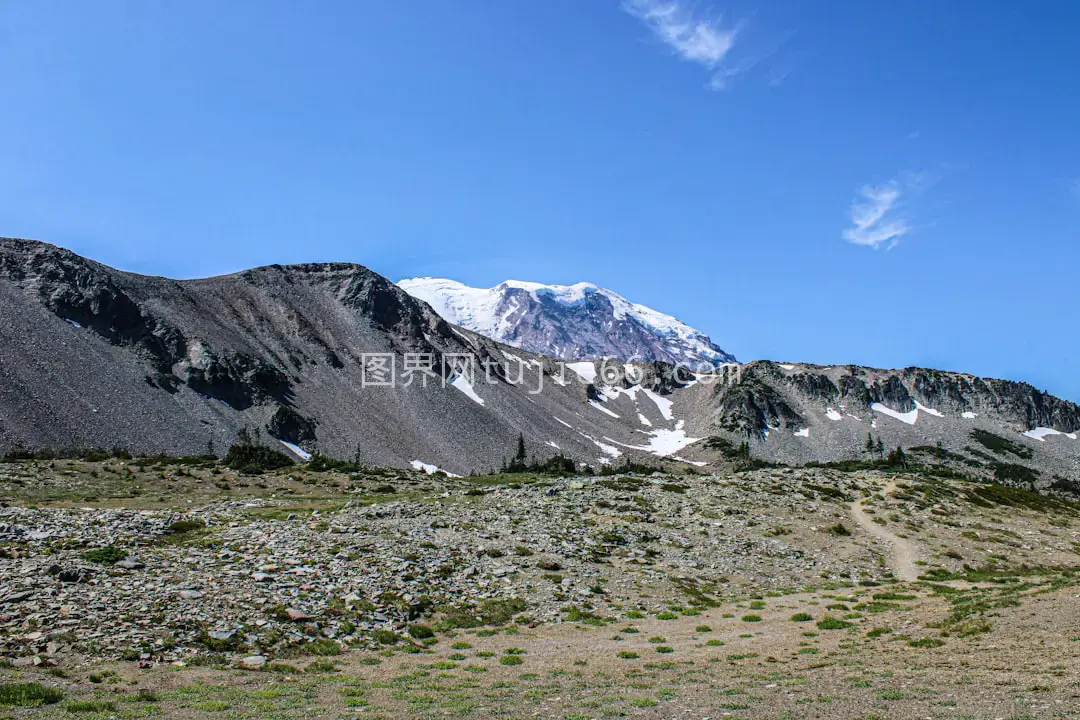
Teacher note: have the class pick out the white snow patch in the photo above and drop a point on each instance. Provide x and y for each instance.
(698, 463)
(297, 450)
(609, 449)
(662, 403)
(832, 414)
(908, 417)
(584, 370)
(603, 409)
(612, 392)
(553, 444)
(1041, 433)
(644, 420)
(75, 324)
(802, 432)
(564, 423)
(929, 411)
(430, 469)
(968, 415)
(787, 367)
(665, 442)
(662, 442)
(462, 383)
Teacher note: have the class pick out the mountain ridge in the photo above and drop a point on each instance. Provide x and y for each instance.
(96, 357)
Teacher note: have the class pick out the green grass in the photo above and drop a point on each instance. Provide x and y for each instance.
(831, 623)
(511, 660)
(751, 618)
(628, 655)
(90, 706)
(926, 643)
(802, 617)
(28, 695)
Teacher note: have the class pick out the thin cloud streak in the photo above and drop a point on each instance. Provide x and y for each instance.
(874, 217)
(694, 38)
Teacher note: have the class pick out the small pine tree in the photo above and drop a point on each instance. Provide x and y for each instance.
(881, 449)
(870, 445)
(897, 458)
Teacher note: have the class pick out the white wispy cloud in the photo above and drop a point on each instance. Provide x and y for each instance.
(690, 35)
(875, 216)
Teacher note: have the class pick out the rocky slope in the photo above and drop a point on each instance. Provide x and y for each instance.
(94, 357)
(569, 322)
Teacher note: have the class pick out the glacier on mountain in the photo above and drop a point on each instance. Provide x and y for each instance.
(570, 322)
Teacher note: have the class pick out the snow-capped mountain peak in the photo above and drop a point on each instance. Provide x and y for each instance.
(571, 322)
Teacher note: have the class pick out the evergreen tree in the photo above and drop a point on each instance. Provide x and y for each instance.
(881, 449)
(897, 458)
(870, 445)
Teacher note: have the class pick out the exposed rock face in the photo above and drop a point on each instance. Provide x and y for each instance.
(288, 425)
(575, 322)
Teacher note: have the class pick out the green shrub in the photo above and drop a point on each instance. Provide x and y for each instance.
(28, 695)
(385, 637)
(511, 660)
(831, 623)
(751, 618)
(250, 459)
(421, 632)
(802, 617)
(108, 555)
(1000, 445)
(185, 526)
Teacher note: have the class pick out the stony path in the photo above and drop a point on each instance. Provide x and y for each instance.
(902, 555)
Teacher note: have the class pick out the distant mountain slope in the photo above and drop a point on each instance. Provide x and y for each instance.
(92, 357)
(569, 322)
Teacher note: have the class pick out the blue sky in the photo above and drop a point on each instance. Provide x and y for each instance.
(886, 184)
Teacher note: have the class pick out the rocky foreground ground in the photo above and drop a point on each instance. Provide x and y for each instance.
(138, 589)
